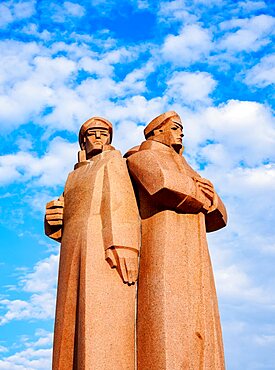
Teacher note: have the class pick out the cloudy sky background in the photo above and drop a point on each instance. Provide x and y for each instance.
(128, 61)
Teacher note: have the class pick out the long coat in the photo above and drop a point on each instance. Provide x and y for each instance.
(95, 311)
(178, 324)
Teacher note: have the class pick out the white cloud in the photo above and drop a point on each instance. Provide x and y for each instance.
(252, 5)
(176, 10)
(74, 9)
(11, 11)
(8, 174)
(39, 306)
(34, 80)
(6, 15)
(137, 109)
(32, 29)
(37, 201)
(16, 61)
(241, 131)
(23, 9)
(67, 9)
(116, 101)
(35, 356)
(53, 71)
(24, 143)
(248, 191)
(191, 45)
(3, 349)
(263, 73)
(251, 181)
(265, 340)
(128, 135)
(49, 170)
(97, 67)
(190, 88)
(42, 279)
(143, 4)
(41, 284)
(209, 2)
(235, 285)
(251, 34)
(45, 338)
(103, 65)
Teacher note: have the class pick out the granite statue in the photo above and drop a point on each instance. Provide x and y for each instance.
(178, 324)
(98, 224)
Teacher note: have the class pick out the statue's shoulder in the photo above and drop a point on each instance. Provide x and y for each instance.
(110, 154)
(114, 153)
(113, 156)
(138, 153)
(190, 170)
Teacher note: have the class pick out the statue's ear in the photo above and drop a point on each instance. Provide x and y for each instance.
(82, 145)
(157, 131)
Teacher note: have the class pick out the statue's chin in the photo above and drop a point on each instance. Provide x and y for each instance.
(94, 150)
(177, 147)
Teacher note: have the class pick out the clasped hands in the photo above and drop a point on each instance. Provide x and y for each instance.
(207, 188)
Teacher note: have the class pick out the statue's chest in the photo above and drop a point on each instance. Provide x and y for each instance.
(83, 190)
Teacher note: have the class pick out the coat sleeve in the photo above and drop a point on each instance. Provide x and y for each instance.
(119, 211)
(216, 218)
(165, 184)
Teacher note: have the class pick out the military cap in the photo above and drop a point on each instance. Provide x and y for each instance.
(95, 122)
(157, 122)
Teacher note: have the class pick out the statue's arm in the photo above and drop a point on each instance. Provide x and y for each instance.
(216, 218)
(53, 221)
(166, 184)
(120, 219)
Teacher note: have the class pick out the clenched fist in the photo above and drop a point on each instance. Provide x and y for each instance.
(54, 212)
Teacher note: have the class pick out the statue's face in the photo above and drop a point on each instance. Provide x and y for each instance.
(95, 139)
(170, 134)
(175, 129)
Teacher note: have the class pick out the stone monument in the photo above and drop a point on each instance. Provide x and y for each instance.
(178, 324)
(98, 224)
(99, 220)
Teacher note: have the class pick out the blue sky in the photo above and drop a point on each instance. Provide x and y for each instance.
(128, 61)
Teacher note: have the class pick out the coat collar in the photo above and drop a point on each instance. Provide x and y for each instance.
(96, 158)
(180, 160)
(155, 145)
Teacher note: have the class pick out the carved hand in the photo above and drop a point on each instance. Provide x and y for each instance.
(54, 212)
(126, 262)
(206, 187)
